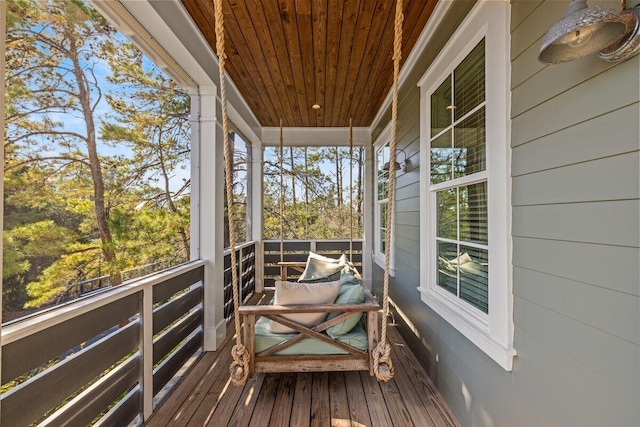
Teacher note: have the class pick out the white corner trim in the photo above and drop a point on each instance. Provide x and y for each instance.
(319, 137)
(425, 36)
(383, 138)
(238, 121)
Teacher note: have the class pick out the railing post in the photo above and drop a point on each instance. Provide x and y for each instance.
(146, 352)
(240, 272)
(312, 246)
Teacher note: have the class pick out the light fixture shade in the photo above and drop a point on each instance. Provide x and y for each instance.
(629, 44)
(387, 166)
(583, 31)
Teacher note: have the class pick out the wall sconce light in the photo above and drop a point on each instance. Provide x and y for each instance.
(403, 166)
(587, 30)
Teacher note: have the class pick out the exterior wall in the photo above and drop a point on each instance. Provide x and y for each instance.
(576, 237)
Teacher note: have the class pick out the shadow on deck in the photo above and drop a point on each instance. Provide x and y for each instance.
(205, 396)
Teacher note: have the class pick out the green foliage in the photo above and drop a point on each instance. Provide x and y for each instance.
(53, 184)
(316, 206)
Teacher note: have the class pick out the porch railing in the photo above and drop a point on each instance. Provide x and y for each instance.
(298, 250)
(246, 260)
(103, 358)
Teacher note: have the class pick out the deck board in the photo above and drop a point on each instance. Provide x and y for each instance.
(205, 396)
(301, 411)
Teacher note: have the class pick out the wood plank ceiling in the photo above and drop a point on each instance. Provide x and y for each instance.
(286, 55)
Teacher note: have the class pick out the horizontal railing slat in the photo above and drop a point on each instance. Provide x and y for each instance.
(92, 402)
(20, 357)
(124, 412)
(28, 401)
(166, 289)
(337, 246)
(168, 313)
(295, 245)
(173, 336)
(275, 258)
(173, 363)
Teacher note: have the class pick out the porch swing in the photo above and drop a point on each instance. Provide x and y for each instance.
(297, 337)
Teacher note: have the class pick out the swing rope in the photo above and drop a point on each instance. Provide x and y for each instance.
(282, 198)
(382, 365)
(239, 368)
(351, 190)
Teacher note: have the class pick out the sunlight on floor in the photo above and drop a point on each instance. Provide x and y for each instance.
(341, 422)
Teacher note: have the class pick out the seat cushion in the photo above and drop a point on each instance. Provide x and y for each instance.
(265, 339)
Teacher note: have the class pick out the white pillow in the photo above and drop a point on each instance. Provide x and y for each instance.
(462, 259)
(294, 293)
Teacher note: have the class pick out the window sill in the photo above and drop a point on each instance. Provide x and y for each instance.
(472, 326)
(379, 259)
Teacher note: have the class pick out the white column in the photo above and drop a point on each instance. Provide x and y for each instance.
(211, 216)
(2, 85)
(194, 244)
(367, 209)
(256, 211)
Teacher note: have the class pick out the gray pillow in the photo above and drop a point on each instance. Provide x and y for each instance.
(321, 269)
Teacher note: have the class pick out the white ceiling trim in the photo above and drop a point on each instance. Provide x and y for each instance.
(313, 136)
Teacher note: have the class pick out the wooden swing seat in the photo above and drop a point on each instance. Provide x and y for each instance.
(270, 361)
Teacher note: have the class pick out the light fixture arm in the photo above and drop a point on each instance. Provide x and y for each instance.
(403, 165)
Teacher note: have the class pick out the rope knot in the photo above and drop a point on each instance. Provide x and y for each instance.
(239, 369)
(382, 364)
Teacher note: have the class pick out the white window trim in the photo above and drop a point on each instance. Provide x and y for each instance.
(379, 257)
(493, 332)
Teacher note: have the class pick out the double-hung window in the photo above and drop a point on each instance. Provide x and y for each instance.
(381, 198)
(465, 228)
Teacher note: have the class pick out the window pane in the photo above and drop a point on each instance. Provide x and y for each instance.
(470, 145)
(447, 213)
(383, 175)
(469, 82)
(383, 215)
(241, 162)
(441, 107)
(474, 277)
(448, 270)
(473, 213)
(383, 240)
(441, 158)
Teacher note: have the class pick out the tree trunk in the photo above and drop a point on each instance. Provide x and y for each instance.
(338, 177)
(293, 176)
(359, 191)
(168, 197)
(84, 95)
(307, 221)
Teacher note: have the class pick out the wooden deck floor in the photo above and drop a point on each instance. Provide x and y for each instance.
(205, 397)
